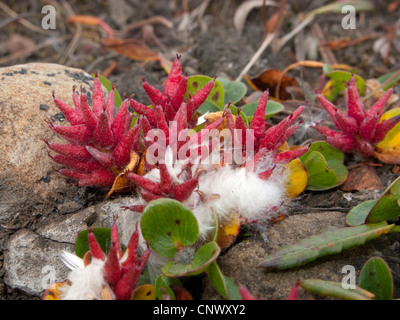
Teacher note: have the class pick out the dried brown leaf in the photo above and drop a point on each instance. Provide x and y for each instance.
(269, 79)
(122, 183)
(130, 48)
(363, 177)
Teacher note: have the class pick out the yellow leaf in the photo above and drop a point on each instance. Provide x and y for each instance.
(144, 292)
(214, 116)
(388, 150)
(165, 64)
(328, 88)
(122, 182)
(53, 292)
(106, 293)
(285, 147)
(297, 178)
(141, 170)
(228, 232)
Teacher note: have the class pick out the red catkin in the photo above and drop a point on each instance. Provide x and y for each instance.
(112, 269)
(184, 190)
(95, 249)
(258, 122)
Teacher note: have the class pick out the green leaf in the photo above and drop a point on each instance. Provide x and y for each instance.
(202, 259)
(208, 106)
(376, 277)
(327, 68)
(216, 96)
(359, 213)
(320, 176)
(340, 77)
(332, 241)
(214, 232)
(334, 289)
(391, 83)
(387, 206)
(244, 116)
(324, 165)
(331, 90)
(225, 286)
(103, 236)
(232, 289)
(271, 109)
(167, 225)
(234, 91)
(217, 279)
(108, 85)
(163, 285)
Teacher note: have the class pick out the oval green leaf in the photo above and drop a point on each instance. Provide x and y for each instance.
(217, 279)
(271, 109)
(202, 259)
(335, 289)
(234, 91)
(359, 213)
(376, 277)
(225, 286)
(387, 206)
(168, 225)
(232, 289)
(327, 68)
(234, 111)
(208, 107)
(320, 176)
(324, 165)
(103, 236)
(195, 83)
(340, 77)
(163, 286)
(332, 241)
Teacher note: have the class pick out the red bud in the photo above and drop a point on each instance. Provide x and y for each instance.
(95, 249)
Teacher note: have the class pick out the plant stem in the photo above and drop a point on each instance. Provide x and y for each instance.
(395, 229)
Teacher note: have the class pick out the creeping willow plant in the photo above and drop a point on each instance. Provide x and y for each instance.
(360, 130)
(228, 168)
(101, 144)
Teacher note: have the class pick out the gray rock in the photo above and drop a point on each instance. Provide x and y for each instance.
(32, 258)
(27, 175)
(67, 228)
(241, 260)
(32, 263)
(34, 195)
(32, 192)
(127, 219)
